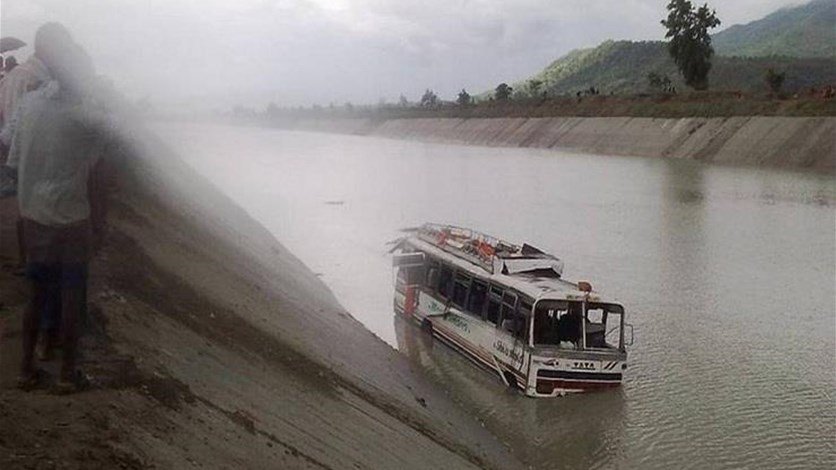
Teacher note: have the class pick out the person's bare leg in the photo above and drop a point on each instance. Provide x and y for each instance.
(31, 326)
(21, 246)
(50, 323)
(72, 299)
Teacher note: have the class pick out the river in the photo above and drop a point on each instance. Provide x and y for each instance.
(726, 273)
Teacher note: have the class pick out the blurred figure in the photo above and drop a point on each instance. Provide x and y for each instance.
(51, 40)
(9, 64)
(58, 133)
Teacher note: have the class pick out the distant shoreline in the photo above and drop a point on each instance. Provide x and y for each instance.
(758, 141)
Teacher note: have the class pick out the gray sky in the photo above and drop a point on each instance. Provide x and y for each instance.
(298, 52)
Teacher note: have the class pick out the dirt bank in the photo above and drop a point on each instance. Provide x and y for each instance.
(793, 142)
(209, 345)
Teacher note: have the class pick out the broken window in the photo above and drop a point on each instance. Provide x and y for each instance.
(558, 323)
(603, 325)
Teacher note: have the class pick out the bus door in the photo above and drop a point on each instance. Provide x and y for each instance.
(408, 280)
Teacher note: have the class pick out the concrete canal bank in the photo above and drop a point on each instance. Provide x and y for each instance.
(210, 345)
(792, 142)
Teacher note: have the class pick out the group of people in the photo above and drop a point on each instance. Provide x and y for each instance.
(53, 135)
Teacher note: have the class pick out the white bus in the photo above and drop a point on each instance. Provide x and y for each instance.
(507, 308)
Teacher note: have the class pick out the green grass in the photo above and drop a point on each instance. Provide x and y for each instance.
(696, 104)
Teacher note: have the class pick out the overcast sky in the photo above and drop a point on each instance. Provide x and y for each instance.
(319, 51)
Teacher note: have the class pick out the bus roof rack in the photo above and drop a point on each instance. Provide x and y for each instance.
(490, 253)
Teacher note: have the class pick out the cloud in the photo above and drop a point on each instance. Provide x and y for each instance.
(305, 51)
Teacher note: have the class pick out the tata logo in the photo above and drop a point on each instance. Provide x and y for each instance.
(583, 365)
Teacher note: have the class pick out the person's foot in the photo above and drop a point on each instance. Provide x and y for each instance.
(46, 347)
(66, 386)
(30, 380)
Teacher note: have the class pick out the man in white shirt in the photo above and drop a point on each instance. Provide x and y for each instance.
(50, 40)
(55, 145)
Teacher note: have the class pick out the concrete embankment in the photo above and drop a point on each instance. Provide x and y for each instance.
(221, 350)
(793, 142)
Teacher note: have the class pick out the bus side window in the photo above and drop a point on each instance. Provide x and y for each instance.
(508, 312)
(445, 281)
(415, 275)
(460, 288)
(494, 301)
(523, 312)
(432, 277)
(476, 301)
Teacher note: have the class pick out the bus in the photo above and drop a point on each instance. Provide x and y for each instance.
(508, 309)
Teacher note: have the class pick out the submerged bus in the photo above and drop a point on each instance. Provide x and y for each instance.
(507, 308)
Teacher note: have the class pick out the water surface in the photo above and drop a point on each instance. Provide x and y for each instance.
(726, 273)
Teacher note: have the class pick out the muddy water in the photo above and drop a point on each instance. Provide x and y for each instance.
(727, 275)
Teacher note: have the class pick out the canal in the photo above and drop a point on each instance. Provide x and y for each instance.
(726, 273)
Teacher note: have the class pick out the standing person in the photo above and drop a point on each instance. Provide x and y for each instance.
(50, 39)
(55, 145)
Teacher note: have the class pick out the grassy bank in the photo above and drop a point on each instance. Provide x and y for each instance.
(703, 104)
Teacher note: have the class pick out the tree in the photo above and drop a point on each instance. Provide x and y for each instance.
(660, 82)
(464, 98)
(403, 102)
(690, 43)
(429, 99)
(534, 87)
(775, 80)
(503, 92)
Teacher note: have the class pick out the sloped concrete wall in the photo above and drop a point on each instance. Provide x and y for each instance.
(799, 142)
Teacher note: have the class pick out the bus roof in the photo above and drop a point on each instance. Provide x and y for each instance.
(528, 284)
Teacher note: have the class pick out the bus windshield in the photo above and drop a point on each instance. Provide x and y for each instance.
(564, 324)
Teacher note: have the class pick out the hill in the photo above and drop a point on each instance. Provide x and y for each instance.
(808, 30)
(798, 41)
(623, 66)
